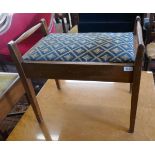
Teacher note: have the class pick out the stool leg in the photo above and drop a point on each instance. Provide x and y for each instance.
(131, 87)
(148, 64)
(27, 84)
(134, 101)
(57, 83)
(145, 62)
(135, 87)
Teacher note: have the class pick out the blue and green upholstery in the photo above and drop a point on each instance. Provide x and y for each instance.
(84, 47)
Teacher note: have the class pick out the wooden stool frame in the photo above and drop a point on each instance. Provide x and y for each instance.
(90, 71)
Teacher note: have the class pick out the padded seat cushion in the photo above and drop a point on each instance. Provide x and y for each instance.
(84, 47)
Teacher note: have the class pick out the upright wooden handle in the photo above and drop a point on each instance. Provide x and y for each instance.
(28, 33)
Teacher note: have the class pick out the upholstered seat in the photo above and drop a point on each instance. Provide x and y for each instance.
(78, 49)
(84, 47)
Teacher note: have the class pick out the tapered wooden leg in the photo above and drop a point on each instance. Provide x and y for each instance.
(145, 62)
(25, 81)
(148, 64)
(130, 87)
(31, 97)
(135, 87)
(57, 83)
(33, 100)
(134, 101)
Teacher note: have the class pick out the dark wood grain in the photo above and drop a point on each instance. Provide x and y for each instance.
(78, 71)
(135, 86)
(26, 82)
(44, 27)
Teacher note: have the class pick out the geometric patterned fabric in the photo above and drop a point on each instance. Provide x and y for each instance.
(84, 47)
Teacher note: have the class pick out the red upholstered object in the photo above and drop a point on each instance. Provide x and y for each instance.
(19, 24)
